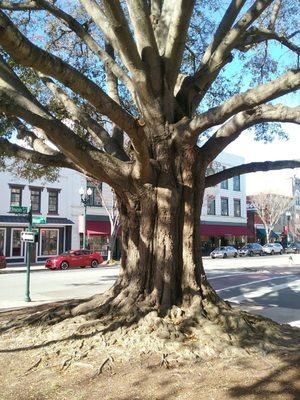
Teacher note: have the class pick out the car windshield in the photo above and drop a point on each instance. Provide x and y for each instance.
(220, 248)
(245, 247)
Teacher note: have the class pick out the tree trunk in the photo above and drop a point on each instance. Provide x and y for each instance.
(161, 252)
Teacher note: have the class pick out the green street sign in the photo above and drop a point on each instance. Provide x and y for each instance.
(18, 210)
(38, 220)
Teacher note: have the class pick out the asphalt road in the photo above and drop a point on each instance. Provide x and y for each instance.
(264, 285)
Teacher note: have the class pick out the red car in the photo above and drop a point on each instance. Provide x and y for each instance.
(2, 260)
(74, 258)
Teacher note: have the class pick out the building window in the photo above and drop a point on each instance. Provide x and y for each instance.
(211, 205)
(95, 199)
(49, 242)
(2, 241)
(35, 199)
(236, 183)
(237, 207)
(53, 201)
(224, 205)
(224, 184)
(16, 196)
(16, 243)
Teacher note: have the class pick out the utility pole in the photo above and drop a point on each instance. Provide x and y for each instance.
(28, 252)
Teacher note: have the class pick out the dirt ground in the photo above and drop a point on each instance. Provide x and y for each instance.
(36, 364)
(217, 379)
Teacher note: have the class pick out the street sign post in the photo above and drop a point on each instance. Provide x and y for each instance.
(28, 251)
(36, 219)
(18, 210)
(27, 236)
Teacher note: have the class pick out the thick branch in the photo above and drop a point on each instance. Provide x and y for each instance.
(245, 119)
(213, 180)
(98, 133)
(226, 23)
(13, 150)
(286, 83)
(27, 54)
(175, 42)
(194, 88)
(81, 32)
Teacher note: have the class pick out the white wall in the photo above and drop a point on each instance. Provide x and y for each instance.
(227, 160)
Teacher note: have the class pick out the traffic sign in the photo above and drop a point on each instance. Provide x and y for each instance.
(18, 210)
(38, 219)
(27, 236)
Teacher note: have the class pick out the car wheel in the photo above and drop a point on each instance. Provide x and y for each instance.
(280, 252)
(235, 255)
(272, 253)
(225, 255)
(296, 251)
(94, 264)
(251, 254)
(213, 257)
(261, 253)
(64, 265)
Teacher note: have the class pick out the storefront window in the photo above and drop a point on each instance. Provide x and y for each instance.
(211, 205)
(99, 243)
(49, 242)
(237, 207)
(224, 206)
(16, 248)
(2, 238)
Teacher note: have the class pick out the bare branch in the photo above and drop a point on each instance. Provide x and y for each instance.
(231, 130)
(27, 54)
(274, 14)
(258, 35)
(213, 180)
(286, 83)
(24, 6)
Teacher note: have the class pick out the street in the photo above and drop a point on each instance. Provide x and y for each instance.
(268, 285)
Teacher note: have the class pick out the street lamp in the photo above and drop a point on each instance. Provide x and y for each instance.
(288, 216)
(85, 197)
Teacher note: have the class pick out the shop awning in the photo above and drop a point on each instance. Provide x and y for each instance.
(98, 228)
(262, 233)
(225, 230)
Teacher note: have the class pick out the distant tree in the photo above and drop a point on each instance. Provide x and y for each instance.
(270, 207)
(155, 90)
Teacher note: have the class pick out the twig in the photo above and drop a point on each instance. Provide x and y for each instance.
(100, 369)
(33, 366)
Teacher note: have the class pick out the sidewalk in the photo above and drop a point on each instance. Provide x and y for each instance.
(22, 268)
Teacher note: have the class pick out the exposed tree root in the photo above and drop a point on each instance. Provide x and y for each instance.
(104, 327)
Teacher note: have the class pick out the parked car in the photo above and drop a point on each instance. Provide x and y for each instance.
(250, 249)
(293, 248)
(273, 248)
(2, 260)
(224, 251)
(74, 258)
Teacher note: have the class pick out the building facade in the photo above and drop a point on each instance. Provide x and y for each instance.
(224, 214)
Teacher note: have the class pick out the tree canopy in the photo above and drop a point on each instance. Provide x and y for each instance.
(83, 83)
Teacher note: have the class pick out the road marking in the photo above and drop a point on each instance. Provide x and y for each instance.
(257, 293)
(251, 283)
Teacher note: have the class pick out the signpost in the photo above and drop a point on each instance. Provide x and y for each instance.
(28, 251)
(38, 220)
(27, 236)
(18, 210)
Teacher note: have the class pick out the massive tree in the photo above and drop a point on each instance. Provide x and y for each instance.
(144, 95)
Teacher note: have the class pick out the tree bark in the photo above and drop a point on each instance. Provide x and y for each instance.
(161, 262)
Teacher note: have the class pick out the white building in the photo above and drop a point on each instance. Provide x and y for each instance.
(224, 214)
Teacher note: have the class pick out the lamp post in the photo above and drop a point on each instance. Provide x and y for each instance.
(85, 197)
(288, 216)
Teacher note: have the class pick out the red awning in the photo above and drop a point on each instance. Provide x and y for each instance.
(225, 230)
(98, 228)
